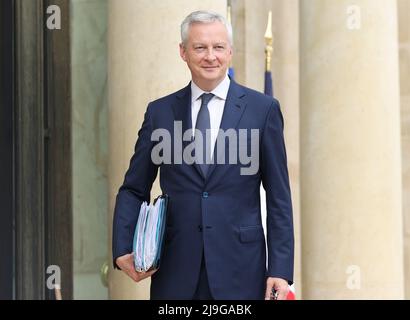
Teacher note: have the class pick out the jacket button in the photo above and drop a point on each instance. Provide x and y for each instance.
(205, 195)
(200, 228)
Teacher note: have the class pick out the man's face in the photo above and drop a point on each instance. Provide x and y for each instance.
(207, 53)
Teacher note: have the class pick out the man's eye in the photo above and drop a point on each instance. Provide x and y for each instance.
(219, 47)
(199, 48)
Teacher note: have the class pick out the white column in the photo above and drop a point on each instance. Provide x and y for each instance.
(404, 42)
(352, 244)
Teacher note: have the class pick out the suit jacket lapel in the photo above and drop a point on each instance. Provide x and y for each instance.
(235, 105)
(182, 112)
(182, 109)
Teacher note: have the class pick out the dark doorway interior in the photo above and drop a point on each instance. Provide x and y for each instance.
(35, 144)
(6, 151)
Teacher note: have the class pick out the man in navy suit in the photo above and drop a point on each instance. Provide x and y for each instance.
(215, 246)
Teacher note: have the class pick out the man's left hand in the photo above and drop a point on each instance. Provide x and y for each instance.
(281, 287)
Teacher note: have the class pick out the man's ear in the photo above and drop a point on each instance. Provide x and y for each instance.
(231, 51)
(182, 51)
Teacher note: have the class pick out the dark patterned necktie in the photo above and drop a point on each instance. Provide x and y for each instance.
(203, 123)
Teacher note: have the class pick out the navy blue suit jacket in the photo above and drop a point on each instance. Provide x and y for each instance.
(219, 214)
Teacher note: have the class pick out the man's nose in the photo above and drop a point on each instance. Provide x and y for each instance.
(210, 55)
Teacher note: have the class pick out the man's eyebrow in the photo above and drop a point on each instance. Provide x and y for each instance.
(203, 44)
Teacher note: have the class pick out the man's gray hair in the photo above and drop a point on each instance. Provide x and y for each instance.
(203, 17)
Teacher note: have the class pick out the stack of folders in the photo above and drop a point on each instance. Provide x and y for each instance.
(149, 234)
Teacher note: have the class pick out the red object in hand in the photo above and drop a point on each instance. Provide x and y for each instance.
(291, 295)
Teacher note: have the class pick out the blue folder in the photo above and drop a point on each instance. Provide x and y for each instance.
(149, 234)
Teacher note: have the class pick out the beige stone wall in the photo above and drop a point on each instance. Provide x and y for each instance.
(143, 65)
(404, 46)
(350, 152)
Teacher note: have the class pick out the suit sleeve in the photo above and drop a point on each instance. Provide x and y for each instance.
(275, 180)
(134, 191)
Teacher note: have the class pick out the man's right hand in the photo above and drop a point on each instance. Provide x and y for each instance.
(126, 264)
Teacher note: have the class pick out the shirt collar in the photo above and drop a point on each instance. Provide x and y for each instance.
(221, 91)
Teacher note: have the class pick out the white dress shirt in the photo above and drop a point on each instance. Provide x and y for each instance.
(215, 106)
